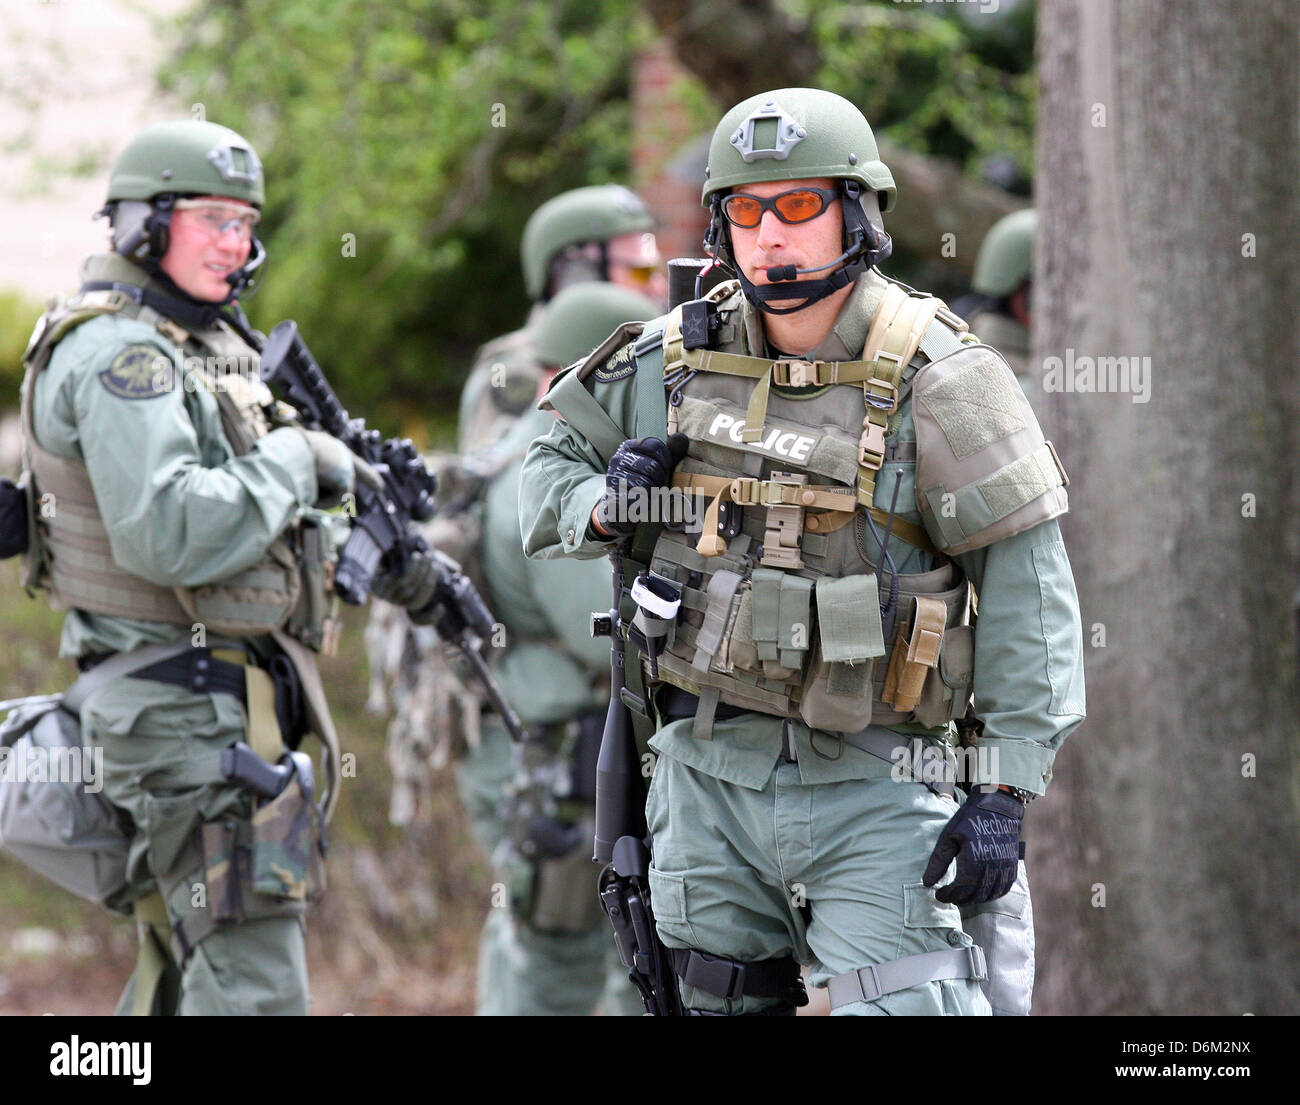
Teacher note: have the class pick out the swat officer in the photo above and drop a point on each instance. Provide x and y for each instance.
(862, 464)
(550, 953)
(999, 308)
(599, 233)
(595, 237)
(176, 519)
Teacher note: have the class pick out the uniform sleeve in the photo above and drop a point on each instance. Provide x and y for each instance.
(1029, 688)
(561, 482)
(563, 476)
(172, 518)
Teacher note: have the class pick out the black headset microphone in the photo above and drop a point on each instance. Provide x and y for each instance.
(778, 273)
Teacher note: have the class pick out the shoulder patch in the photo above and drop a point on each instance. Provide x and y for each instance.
(138, 372)
(620, 366)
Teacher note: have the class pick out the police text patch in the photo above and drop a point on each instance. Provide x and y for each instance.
(620, 366)
(138, 372)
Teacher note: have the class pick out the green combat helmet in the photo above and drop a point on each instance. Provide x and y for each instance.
(1006, 257)
(170, 160)
(801, 134)
(187, 158)
(594, 214)
(581, 317)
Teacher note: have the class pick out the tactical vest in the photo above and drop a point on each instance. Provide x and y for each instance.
(501, 386)
(69, 553)
(785, 608)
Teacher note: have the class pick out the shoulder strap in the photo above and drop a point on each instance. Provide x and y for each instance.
(651, 402)
(892, 341)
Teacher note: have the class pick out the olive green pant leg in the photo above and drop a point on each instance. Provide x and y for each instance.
(255, 968)
(161, 754)
(829, 873)
(1004, 929)
(523, 972)
(481, 778)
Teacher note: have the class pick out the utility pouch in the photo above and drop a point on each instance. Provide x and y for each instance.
(312, 621)
(257, 600)
(51, 821)
(741, 650)
(13, 519)
(915, 654)
(767, 593)
(558, 895)
(225, 863)
(284, 843)
(947, 686)
(836, 695)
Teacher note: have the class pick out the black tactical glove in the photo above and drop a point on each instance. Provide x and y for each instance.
(637, 466)
(413, 589)
(984, 835)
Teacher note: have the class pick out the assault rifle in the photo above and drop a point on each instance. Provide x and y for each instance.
(384, 531)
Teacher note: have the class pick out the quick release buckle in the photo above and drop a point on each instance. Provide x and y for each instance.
(871, 446)
(718, 975)
(795, 373)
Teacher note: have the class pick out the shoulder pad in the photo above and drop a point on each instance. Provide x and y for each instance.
(983, 470)
(61, 318)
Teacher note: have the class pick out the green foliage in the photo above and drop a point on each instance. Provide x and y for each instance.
(427, 130)
(17, 317)
(395, 205)
(936, 78)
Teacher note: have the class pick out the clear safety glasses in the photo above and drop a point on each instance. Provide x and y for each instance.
(215, 218)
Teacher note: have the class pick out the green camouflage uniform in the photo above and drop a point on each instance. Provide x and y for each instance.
(820, 854)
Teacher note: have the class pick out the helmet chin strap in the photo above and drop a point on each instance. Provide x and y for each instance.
(763, 296)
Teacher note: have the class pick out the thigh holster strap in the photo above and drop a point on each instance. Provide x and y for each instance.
(875, 981)
(731, 979)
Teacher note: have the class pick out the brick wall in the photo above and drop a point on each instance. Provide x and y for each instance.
(668, 157)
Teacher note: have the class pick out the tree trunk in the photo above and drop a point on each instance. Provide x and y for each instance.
(1167, 161)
